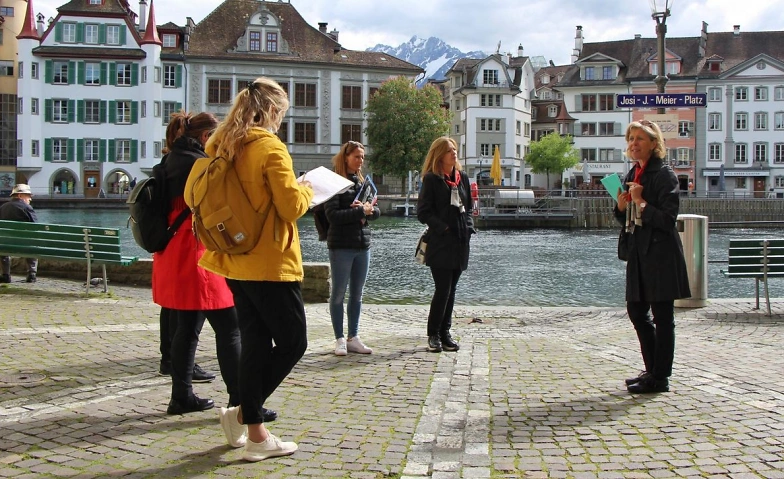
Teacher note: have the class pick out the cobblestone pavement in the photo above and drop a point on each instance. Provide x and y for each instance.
(533, 392)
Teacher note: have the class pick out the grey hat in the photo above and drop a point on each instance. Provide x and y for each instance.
(21, 189)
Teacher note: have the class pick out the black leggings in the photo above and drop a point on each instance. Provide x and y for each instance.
(440, 318)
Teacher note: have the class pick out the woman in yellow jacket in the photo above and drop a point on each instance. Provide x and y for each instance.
(265, 281)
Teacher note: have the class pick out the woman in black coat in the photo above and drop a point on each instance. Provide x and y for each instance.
(655, 270)
(444, 204)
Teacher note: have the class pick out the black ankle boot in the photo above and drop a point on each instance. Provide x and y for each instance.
(434, 344)
(648, 385)
(447, 343)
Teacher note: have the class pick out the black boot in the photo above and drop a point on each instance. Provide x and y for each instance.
(648, 385)
(434, 344)
(6, 278)
(447, 343)
(192, 404)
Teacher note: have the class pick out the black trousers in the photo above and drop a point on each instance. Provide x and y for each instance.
(186, 339)
(656, 335)
(440, 318)
(274, 338)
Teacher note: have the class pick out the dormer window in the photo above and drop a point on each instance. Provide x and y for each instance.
(545, 79)
(588, 73)
(262, 34)
(272, 42)
(169, 40)
(552, 111)
(672, 67)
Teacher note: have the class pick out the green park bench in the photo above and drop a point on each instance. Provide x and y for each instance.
(89, 244)
(756, 258)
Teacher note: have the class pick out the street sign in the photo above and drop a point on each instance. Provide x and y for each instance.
(662, 100)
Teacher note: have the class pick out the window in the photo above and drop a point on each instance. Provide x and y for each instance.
(304, 95)
(589, 102)
(96, 2)
(608, 73)
(91, 148)
(69, 33)
(156, 109)
(780, 182)
(34, 106)
(527, 130)
(606, 154)
(91, 33)
(490, 100)
(169, 108)
(7, 11)
(92, 73)
(673, 68)
(588, 73)
(457, 104)
(20, 106)
(685, 128)
(761, 152)
(123, 112)
(741, 154)
(761, 120)
(778, 120)
(60, 150)
(219, 91)
(714, 152)
(6, 68)
(714, 121)
(123, 74)
(606, 129)
(254, 41)
(778, 93)
(34, 148)
(588, 129)
(156, 149)
(741, 93)
(351, 132)
(60, 111)
(60, 70)
(741, 121)
(484, 149)
(169, 40)
(606, 102)
(144, 110)
(714, 94)
(272, 42)
(21, 70)
(552, 111)
(778, 153)
(19, 147)
(157, 75)
(518, 150)
(144, 74)
(518, 127)
(304, 132)
(740, 182)
(760, 93)
(112, 34)
(588, 154)
(122, 151)
(352, 98)
(170, 76)
(490, 77)
(92, 111)
(283, 132)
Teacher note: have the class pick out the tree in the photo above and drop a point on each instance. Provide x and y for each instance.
(402, 123)
(552, 154)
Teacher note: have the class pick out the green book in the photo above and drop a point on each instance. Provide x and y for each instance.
(611, 184)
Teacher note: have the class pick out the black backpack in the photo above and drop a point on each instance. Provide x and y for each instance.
(149, 207)
(322, 223)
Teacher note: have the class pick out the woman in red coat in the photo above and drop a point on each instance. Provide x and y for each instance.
(179, 284)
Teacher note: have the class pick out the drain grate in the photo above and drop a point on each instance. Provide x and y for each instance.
(20, 379)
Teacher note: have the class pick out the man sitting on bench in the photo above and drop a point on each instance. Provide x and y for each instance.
(19, 209)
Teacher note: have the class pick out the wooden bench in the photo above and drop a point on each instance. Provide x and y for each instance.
(756, 258)
(89, 244)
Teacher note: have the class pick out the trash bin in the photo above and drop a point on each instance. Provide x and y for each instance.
(693, 230)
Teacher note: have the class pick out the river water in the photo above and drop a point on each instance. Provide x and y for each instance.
(539, 267)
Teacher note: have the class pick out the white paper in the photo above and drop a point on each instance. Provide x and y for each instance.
(326, 184)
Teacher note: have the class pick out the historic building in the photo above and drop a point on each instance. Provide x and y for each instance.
(98, 85)
(12, 15)
(491, 103)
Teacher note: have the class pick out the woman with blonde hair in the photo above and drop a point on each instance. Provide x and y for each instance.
(655, 269)
(442, 206)
(348, 240)
(266, 280)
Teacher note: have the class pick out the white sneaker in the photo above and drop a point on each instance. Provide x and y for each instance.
(236, 433)
(340, 347)
(272, 447)
(355, 345)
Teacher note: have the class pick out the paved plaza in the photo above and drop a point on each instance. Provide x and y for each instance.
(533, 392)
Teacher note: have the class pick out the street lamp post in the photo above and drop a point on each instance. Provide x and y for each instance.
(660, 10)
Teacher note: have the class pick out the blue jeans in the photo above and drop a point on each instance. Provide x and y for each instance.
(349, 269)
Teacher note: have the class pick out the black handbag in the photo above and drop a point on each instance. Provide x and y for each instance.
(623, 245)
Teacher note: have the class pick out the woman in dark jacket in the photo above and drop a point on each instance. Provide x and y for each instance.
(655, 270)
(348, 241)
(444, 204)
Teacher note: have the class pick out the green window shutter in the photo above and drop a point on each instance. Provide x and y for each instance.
(122, 34)
(80, 33)
(71, 150)
(49, 71)
(80, 111)
(48, 149)
(104, 73)
(112, 74)
(58, 33)
(80, 74)
(80, 150)
(134, 151)
(578, 103)
(71, 73)
(134, 112)
(71, 111)
(102, 33)
(178, 77)
(110, 158)
(102, 112)
(112, 111)
(177, 106)
(134, 74)
(102, 151)
(48, 105)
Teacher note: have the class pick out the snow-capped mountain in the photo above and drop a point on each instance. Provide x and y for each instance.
(432, 54)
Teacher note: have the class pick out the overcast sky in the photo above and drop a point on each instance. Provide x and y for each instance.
(543, 27)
